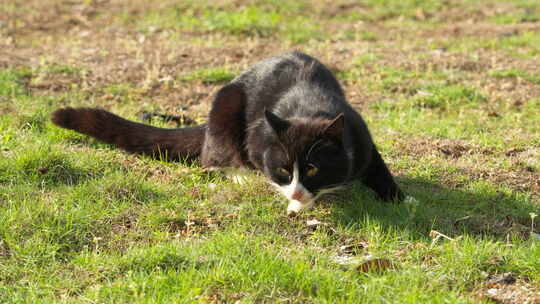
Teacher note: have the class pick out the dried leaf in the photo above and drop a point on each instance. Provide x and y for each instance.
(513, 291)
(504, 278)
(420, 14)
(313, 223)
(424, 93)
(436, 235)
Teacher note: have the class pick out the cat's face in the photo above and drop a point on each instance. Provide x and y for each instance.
(306, 159)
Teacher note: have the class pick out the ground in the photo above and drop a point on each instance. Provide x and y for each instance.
(449, 89)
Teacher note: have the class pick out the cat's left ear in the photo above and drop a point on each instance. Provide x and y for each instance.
(336, 127)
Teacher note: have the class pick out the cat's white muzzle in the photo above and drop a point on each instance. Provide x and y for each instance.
(295, 206)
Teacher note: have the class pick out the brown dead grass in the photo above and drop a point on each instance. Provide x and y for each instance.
(507, 289)
(113, 53)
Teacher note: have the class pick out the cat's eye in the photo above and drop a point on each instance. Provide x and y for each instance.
(312, 170)
(283, 171)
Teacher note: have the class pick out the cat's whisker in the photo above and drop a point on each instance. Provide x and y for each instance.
(328, 191)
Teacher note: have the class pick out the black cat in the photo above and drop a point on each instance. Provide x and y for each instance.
(286, 116)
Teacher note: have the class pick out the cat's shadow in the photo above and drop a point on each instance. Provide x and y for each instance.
(483, 212)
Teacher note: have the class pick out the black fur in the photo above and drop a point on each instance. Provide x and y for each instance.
(282, 110)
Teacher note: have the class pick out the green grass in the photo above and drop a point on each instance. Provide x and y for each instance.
(10, 83)
(270, 20)
(524, 11)
(77, 225)
(448, 96)
(389, 9)
(210, 76)
(517, 73)
(525, 44)
(82, 222)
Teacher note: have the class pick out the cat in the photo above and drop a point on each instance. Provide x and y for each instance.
(286, 116)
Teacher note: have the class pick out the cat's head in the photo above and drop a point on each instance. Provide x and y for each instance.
(305, 158)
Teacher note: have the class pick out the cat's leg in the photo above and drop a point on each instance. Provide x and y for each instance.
(225, 132)
(379, 178)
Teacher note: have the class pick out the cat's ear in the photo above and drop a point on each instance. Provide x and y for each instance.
(335, 127)
(279, 125)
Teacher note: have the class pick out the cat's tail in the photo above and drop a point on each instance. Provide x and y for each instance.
(171, 144)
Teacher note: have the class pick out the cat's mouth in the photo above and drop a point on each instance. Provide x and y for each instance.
(300, 198)
(295, 206)
(305, 200)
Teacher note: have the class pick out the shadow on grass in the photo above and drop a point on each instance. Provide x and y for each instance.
(48, 171)
(484, 212)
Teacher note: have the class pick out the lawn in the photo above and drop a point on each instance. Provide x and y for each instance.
(449, 89)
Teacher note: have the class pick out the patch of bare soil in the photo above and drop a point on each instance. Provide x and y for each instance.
(92, 36)
(195, 226)
(519, 180)
(504, 229)
(506, 288)
(481, 29)
(453, 149)
(471, 159)
(474, 71)
(122, 232)
(415, 50)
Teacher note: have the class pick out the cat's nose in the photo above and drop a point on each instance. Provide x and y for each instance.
(297, 196)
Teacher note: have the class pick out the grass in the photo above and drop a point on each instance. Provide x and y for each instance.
(210, 76)
(523, 11)
(524, 44)
(449, 89)
(516, 74)
(254, 21)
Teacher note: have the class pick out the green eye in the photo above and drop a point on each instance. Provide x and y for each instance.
(312, 171)
(283, 171)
